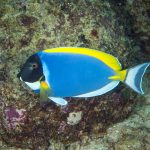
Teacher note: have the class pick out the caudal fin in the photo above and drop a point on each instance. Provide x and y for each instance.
(134, 77)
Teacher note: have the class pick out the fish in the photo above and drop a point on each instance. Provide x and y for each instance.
(63, 72)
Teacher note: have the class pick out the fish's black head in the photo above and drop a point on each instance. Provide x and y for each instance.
(32, 70)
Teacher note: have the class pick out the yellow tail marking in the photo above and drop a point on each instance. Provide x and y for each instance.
(120, 75)
(108, 59)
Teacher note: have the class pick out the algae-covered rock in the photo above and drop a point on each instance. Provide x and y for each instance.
(117, 120)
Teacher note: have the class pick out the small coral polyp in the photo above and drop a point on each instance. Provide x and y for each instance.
(14, 117)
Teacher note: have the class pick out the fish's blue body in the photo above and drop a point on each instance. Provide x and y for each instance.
(75, 74)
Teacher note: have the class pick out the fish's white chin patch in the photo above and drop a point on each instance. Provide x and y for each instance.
(34, 85)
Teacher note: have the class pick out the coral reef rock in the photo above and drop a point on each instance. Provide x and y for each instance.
(117, 120)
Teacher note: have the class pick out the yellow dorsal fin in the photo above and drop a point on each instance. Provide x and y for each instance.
(108, 59)
(120, 75)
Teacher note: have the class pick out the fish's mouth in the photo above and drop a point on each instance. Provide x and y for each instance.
(19, 76)
(21, 79)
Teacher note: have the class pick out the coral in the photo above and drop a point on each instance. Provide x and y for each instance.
(110, 121)
(14, 117)
(74, 117)
(125, 135)
(62, 127)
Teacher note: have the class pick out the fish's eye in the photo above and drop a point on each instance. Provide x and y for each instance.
(34, 66)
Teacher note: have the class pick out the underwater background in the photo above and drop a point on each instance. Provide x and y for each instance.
(118, 120)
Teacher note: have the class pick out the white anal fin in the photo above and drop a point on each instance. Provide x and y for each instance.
(59, 101)
(100, 91)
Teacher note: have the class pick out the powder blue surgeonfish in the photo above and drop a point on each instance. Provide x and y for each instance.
(77, 72)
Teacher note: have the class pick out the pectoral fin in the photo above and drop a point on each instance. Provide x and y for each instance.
(59, 101)
(44, 91)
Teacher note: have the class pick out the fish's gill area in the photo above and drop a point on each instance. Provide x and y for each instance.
(118, 120)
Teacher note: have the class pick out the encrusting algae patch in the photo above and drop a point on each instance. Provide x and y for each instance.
(110, 121)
